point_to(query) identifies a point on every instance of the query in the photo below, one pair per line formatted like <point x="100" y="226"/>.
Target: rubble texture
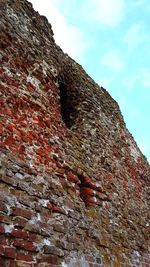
<point x="73" y="183"/>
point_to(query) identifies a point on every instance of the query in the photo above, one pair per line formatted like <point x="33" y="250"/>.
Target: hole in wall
<point x="67" y="102"/>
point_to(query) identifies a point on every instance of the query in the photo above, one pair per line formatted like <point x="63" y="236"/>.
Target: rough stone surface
<point x="73" y="183"/>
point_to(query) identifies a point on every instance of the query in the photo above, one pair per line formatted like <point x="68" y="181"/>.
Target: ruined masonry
<point x="73" y="183"/>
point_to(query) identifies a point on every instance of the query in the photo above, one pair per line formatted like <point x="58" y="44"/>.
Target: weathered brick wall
<point x="73" y="183"/>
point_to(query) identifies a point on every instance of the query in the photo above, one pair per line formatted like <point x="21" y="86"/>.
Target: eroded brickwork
<point x="73" y="183"/>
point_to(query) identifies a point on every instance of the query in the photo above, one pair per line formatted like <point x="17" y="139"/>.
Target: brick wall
<point x="73" y="183"/>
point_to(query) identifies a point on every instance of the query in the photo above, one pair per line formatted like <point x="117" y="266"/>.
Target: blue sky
<point x="111" y="40"/>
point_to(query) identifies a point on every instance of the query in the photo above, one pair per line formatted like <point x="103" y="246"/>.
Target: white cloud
<point x="135" y="35"/>
<point x="113" y="60"/>
<point x="70" y="38"/>
<point x="107" y="12"/>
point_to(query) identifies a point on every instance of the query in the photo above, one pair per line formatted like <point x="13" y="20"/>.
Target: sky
<point x="111" y="40"/>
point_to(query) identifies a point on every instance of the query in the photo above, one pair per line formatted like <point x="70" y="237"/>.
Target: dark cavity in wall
<point x="68" y="111"/>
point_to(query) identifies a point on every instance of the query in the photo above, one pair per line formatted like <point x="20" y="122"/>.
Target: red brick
<point x="73" y="178"/>
<point x="4" y="240"/>
<point x="87" y="191"/>
<point x="1" y="128"/>
<point x="10" y="252"/>
<point x="22" y="212"/>
<point x="2" y="250"/>
<point x="12" y="263"/>
<point x="50" y="259"/>
<point x="88" y="183"/>
<point x="34" y="237"/>
<point x="29" y="246"/>
<point x="91" y="201"/>
<point x="10" y="126"/>
<point x="20" y="233"/>
<point x="57" y="209"/>
<point x="24" y="257"/>
<point x="2" y="230"/>
<point x="9" y="141"/>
